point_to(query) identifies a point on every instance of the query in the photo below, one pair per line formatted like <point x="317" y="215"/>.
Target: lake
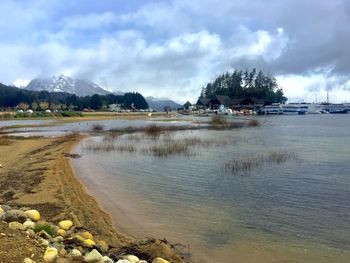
<point x="297" y="210"/>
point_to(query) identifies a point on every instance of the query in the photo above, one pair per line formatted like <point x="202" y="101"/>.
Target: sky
<point x="172" y="48"/>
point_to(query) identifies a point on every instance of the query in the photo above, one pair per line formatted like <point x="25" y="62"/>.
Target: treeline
<point x="240" y="84"/>
<point x="11" y="97"/>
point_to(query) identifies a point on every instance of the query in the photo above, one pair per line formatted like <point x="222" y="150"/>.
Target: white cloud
<point x="89" y="21"/>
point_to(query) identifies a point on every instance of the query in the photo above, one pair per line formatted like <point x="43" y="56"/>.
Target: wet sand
<point x="36" y="172"/>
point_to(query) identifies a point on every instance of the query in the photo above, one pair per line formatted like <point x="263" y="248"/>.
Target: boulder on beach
<point x="14" y="215"/>
<point x="65" y="224"/>
<point x="51" y="254"/>
<point x="33" y="214"/>
<point x="93" y="256"/>
<point x="160" y="260"/>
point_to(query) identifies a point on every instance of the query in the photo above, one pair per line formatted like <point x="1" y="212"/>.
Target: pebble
<point x="89" y="243"/>
<point x="43" y="242"/>
<point x="159" y="260"/>
<point x="61" y="232"/>
<point x="142" y="261"/>
<point x="16" y="225"/>
<point x="51" y="254"/>
<point x="93" y="256"/>
<point x="28" y="260"/>
<point x="123" y="261"/>
<point x="1" y="211"/>
<point x="28" y="225"/>
<point x="33" y="215"/>
<point x="102" y="245"/>
<point x="74" y="253"/>
<point x="132" y="258"/>
<point x="87" y="235"/>
<point x="107" y="260"/>
<point x="65" y="224"/>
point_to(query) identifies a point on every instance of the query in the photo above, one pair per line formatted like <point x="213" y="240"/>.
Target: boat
<point x="274" y="109"/>
<point x="334" y="108"/>
<point x="294" y="109"/>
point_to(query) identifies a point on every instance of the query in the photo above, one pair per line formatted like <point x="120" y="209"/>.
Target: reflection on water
<point x="192" y="199"/>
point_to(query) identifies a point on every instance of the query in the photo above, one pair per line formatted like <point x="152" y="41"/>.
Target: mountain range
<point x="66" y="84"/>
<point x="84" y="88"/>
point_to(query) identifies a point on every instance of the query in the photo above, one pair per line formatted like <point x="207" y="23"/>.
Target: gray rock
<point x="43" y="242"/>
<point x="74" y="253"/>
<point x="14" y="215"/>
<point x="5" y="207"/>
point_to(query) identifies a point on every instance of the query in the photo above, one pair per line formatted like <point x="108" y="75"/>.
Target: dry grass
<point x="169" y="148"/>
<point x="254" y="123"/>
<point x="110" y="147"/>
<point x="97" y="127"/>
<point x="218" y="120"/>
<point x="246" y="164"/>
<point x="4" y="140"/>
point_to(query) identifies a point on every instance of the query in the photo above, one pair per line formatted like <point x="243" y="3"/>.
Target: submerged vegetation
<point x="248" y="163"/>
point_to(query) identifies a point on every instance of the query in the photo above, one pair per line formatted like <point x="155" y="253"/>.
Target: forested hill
<point x="240" y="84"/>
<point x="11" y="97"/>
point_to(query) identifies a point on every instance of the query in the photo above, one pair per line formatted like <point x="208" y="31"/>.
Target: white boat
<point x="334" y="108"/>
<point x="294" y="109"/>
<point x="274" y="109"/>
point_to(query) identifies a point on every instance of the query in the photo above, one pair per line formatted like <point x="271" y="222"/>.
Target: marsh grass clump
<point x="254" y="123"/>
<point x="110" y="147"/>
<point x="5" y="140"/>
<point x="46" y="227"/>
<point x="218" y="120"/>
<point x="153" y="130"/>
<point x="169" y="148"/>
<point x="97" y="127"/>
<point x="246" y="164"/>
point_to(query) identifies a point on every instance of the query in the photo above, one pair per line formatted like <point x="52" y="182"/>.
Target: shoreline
<point x="36" y="172"/>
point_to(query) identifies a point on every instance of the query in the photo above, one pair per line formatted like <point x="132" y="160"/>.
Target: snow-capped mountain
<point x="66" y="84"/>
<point x="160" y="103"/>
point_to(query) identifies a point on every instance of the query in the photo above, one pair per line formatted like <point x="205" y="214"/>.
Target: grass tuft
<point x="46" y="227"/>
<point x="246" y="164"/>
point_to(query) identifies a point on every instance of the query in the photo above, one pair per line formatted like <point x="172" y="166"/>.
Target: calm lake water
<point x="193" y="199"/>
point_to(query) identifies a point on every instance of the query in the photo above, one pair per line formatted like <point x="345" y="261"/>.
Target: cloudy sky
<point x="171" y="48"/>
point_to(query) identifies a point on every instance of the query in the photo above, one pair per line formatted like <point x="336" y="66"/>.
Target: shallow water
<point x="192" y="199"/>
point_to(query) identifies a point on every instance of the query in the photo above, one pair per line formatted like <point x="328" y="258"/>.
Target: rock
<point x="16" y="225"/>
<point x="159" y="260"/>
<point x="33" y="215"/>
<point x="74" y="253"/>
<point x="28" y="260"/>
<point x="62" y="252"/>
<point x="142" y="261"/>
<point x="79" y="237"/>
<point x="88" y="243"/>
<point x="14" y="215"/>
<point x="102" y="245"/>
<point x="58" y="239"/>
<point x="50" y="254"/>
<point x="87" y="235"/>
<point x="62" y="260"/>
<point x="123" y="261"/>
<point x="131" y="258"/>
<point x="2" y="211"/>
<point x="93" y="256"/>
<point x="107" y="260"/>
<point x="43" y="242"/>
<point x="61" y="232"/>
<point x="28" y="225"/>
<point x="65" y="224"/>
<point x="44" y="234"/>
<point x="5" y="207"/>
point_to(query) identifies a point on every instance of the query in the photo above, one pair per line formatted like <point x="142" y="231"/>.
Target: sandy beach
<point x="36" y="172"/>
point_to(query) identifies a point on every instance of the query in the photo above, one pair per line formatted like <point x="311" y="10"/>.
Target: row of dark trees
<point x="240" y="84"/>
<point x="11" y="97"/>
